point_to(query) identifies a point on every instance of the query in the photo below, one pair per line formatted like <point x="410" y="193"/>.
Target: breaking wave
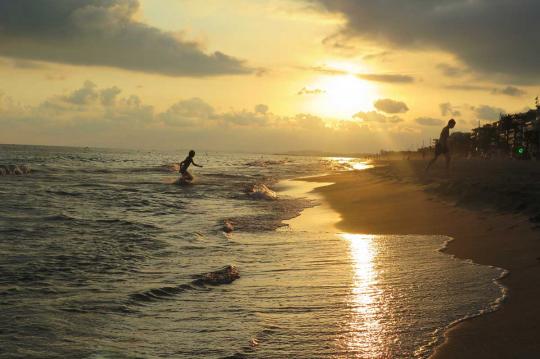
<point x="225" y="275"/>
<point x="16" y="170"/>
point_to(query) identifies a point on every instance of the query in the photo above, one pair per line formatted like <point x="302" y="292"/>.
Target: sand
<point x="489" y="211"/>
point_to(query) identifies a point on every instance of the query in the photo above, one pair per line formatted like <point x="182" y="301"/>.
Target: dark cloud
<point x="391" y="106"/>
<point x="390" y="78"/>
<point x="498" y="37"/>
<point x="428" y="121"/>
<point x="102" y="33"/>
<point x="308" y="91"/>
<point x="486" y="112"/>
<point x="509" y="91"/>
<point x="447" y="109"/>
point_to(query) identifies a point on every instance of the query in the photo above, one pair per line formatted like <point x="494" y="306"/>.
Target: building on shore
<point x="515" y="135"/>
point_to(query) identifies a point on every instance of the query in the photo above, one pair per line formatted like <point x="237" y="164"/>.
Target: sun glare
<point x="343" y="96"/>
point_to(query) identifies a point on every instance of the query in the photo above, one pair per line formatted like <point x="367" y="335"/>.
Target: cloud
<point x="340" y="44"/>
<point x="495" y="37"/>
<point x="108" y="96"/>
<point x="190" y="112"/>
<point x="328" y="71"/>
<point x="509" y="91"/>
<point x="428" y="121"/>
<point x="243" y="119"/>
<point x="452" y="71"/>
<point x="85" y="95"/>
<point x="90" y="106"/>
<point x="376" y="117"/>
<point x="485" y="112"/>
<point x="102" y="33"/>
<point x="95" y="116"/>
<point x="27" y="65"/>
<point x="261" y="108"/>
<point x="467" y="87"/>
<point x="448" y="110"/>
<point x="380" y="56"/>
<point x="390" y="78"/>
<point x="391" y="106"/>
<point x="307" y="91"/>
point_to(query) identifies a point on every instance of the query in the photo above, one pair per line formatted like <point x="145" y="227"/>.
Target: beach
<point x="487" y="207"/>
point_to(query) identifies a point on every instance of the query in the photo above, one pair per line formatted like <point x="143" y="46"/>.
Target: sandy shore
<point x="491" y="214"/>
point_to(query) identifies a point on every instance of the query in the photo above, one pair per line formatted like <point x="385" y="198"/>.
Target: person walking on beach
<point x="184" y="165"/>
<point x="442" y="145"/>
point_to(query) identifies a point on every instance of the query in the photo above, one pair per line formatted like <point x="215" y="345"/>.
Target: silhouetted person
<point x="442" y="145"/>
<point x="184" y="165"/>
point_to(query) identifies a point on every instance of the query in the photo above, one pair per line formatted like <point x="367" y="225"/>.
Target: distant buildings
<point x="515" y="135"/>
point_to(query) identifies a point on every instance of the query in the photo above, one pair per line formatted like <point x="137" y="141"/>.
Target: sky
<point x="345" y="76"/>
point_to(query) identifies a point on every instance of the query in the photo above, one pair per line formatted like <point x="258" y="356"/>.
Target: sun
<point x="342" y="96"/>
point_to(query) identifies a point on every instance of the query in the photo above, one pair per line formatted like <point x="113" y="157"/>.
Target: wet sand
<point x="400" y="199"/>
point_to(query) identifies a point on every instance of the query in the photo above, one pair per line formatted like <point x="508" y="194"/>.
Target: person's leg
<point x="187" y="176"/>
<point x="448" y="158"/>
<point x="432" y="161"/>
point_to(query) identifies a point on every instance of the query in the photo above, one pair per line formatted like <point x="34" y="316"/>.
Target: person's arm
<point x="194" y="164"/>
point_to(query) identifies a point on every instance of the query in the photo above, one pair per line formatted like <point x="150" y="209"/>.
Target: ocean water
<point x="103" y="256"/>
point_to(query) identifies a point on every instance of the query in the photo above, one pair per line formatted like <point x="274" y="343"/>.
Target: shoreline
<point x="372" y="203"/>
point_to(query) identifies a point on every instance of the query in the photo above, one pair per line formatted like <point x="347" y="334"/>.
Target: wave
<point x="261" y="191"/>
<point x="265" y="163"/>
<point x="439" y="336"/>
<point x="16" y="170"/>
<point x="65" y="193"/>
<point x="63" y="217"/>
<point x="166" y="168"/>
<point x="225" y="275"/>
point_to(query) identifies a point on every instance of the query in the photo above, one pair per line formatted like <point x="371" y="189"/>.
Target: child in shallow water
<point x="184" y="165"/>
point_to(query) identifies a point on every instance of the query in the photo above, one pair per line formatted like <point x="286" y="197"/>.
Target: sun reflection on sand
<point x="366" y="337"/>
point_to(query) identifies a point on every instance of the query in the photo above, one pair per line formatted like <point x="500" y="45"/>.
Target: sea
<point x="104" y="254"/>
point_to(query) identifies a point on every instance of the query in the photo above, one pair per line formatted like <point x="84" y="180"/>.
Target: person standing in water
<point x="184" y="165"/>
<point x="442" y="145"/>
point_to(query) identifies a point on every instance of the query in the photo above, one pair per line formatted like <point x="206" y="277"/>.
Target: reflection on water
<point x="351" y="164"/>
<point x="365" y="327"/>
<point x="361" y="165"/>
<point x="403" y="292"/>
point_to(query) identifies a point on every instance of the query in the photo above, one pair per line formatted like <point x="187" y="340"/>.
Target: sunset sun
<point x="343" y="96"/>
<point x="342" y="92"/>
